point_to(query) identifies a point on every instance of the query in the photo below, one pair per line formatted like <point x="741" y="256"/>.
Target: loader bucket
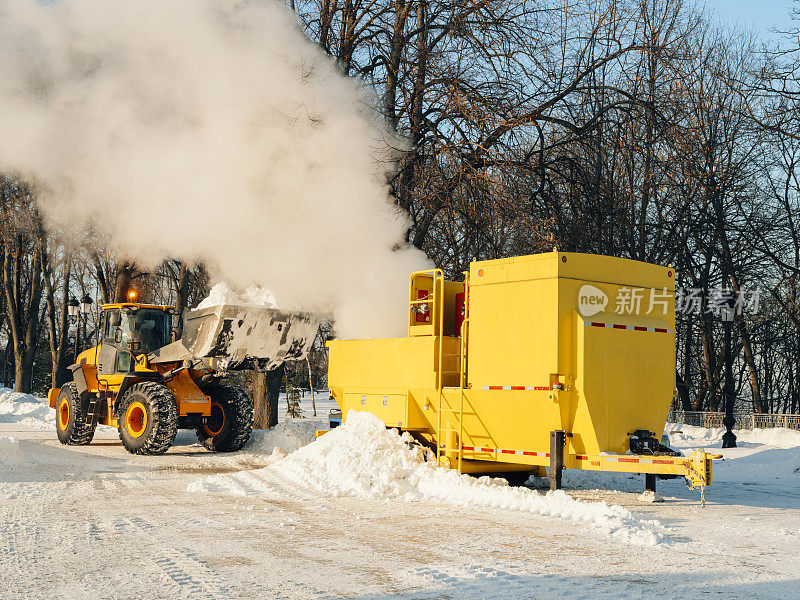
<point x="248" y="335"/>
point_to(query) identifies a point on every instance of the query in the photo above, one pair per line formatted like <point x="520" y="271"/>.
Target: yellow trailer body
<point x="559" y="356"/>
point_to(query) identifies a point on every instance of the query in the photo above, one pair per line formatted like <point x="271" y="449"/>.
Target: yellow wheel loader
<point x="148" y="386"/>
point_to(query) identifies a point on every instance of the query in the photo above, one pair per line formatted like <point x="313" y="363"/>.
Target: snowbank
<point x="26" y="410"/>
<point x="688" y="436"/>
<point x="363" y="459"/>
<point x="288" y="436"/>
<point x="221" y="293"/>
<point x="767" y="461"/>
<point x="9" y="451"/>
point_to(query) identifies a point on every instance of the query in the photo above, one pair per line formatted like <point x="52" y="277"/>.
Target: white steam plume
<point x="208" y="129"/>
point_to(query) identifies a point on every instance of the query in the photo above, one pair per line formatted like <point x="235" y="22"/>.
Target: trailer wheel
<point x="147" y="418"/>
<point x="71" y="408"/>
<point x="231" y="421"/>
<point x="516" y="478"/>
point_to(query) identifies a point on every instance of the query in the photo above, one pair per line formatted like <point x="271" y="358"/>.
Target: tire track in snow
<point x="254" y="483"/>
<point x="25" y="541"/>
<point x="190" y="573"/>
<point x="11" y="573"/>
<point x="264" y="482"/>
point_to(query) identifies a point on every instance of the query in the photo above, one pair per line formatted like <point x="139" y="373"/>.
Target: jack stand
<point x="650" y="494"/>
<point x="558" y="438"/>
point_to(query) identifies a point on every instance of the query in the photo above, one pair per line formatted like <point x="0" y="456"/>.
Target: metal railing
<point x="742" y="420"/>
<point x="765" y="421"/>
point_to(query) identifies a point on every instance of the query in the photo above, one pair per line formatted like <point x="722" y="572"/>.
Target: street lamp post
<point x="86" y="310"/>
<point x="727" y="313"/>
<point x="76" y="310"/>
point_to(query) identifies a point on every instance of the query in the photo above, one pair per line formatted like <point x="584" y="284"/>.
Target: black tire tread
<point x="238" y="407"/>
<point x="165" y="417"/>
<point x="82" y="431"/>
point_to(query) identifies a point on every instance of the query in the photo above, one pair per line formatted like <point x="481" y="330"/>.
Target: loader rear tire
<point x="71" y="408"/>
<point x="147" y="418"/>
<point x="231" y="421"/>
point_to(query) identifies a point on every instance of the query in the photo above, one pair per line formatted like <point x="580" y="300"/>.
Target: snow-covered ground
<point x="360" y="514"/>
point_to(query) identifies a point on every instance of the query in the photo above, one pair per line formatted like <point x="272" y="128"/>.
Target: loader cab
<point x="128" y="330"/>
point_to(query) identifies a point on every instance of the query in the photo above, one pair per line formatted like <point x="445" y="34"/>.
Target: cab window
<point x="146" y="329"/>
<point x="111" y="322"/>
<point x="124" y="362"/>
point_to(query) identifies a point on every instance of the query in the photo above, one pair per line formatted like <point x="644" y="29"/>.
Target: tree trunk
<point x="744" y="336"/>
<point x="125" y="272"/>
<point x="393" y="66"/>
<point x="266" y="387"/>
<point x="684" y="384"/>
<point x="325" y="19"/>
<point x="102" y="280"/>
<point x="7" y="357"/>
<point x="182" y="298"/>
<point x="57" y="324"/>
<point x="22" y="313"/>
<point x="709" y="364"/>
<point x="311" y="387"/>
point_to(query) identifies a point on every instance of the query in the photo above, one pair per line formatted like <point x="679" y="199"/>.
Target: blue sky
<point x="759" y="15"/>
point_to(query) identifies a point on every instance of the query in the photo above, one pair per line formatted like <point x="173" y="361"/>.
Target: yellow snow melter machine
<point x="557" y="360"/>
<point x="148" y="385"/>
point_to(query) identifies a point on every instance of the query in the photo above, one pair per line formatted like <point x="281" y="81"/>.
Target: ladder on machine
<point x="443" y="405"/>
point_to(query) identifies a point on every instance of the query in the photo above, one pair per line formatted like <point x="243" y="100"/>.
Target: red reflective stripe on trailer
<point x="516" y="388"/>
<point x="626" y="327"/>
<point x="622" y="459"/>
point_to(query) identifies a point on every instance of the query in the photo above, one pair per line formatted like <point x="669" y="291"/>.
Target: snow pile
<point x="26" y="410"/>
<point x="363" y="459"/>
<point x="682" y="436"/>
<point x="221" y="293"/>
<point x="287" y="436"/>
<point x="259" y="296"/>
<point x="9" y="451"/>
<point x="768" y="458"/>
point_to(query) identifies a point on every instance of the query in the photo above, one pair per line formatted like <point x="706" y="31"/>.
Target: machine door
<point x="107" y="354"/>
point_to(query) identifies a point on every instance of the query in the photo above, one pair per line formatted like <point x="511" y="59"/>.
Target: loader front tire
<point x="147" y="418"/>
<point x="71" y="425"/>
<point x="231" y="421"/>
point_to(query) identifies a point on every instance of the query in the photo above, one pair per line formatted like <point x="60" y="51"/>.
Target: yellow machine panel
<point x="575" y="348"/>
